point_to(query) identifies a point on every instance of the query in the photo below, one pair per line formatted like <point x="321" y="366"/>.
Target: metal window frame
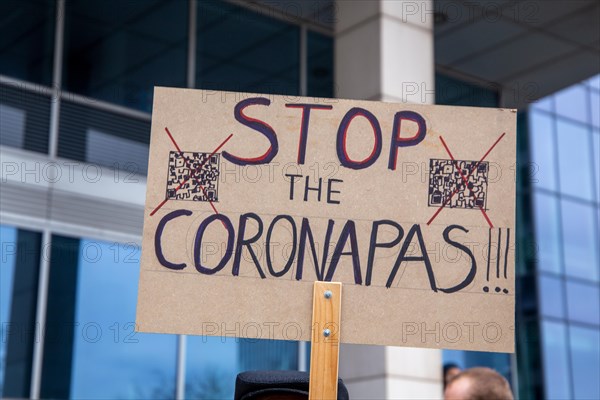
<point x="42" y="294"/>
<point x="274" y="13"/>
<point x="303" y="346"/>
<point x="190" y="83"/>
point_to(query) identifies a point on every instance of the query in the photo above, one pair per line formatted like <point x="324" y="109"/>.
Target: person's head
<point x="450" y="371"/>
<point x="478" y="384"/>
<point x="278" y="385"/>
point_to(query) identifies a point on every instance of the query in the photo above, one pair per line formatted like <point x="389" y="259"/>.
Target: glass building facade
<point x="76" y="85"/>
<point x="564" y="134"/>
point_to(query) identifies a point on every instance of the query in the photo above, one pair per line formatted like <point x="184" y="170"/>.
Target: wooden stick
<point x="324" y="354"/>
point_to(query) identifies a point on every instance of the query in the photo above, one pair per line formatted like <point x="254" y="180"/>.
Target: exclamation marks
<point x="501" y="262"/>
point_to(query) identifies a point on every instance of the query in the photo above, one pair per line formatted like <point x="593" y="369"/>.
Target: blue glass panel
<point x="320" y="65"/>
<point x="117" y="51"/>
<point x="595" y="107"/>
<point x="454" y="357"/>
<point x="596" y="151"/>
<point x="19" y="266"/>
<point x="585" y="358"/>
<point x="240" y="50"/>
<point x="543" y="149"/>
<point x="583" y="301"/>
<point x="547" y="232"/>
<point x="214" y="362"/>
<point x="211" y="367"/>
<point x="8" y="257"/>
<point x="556" y="361"/>
<point x="572" y="103"/>
<point x="551" y="296"/>
<point x="450" y="91"/>
<point x="594" y="82"/>
<point x="579" y="240"/>
<point x="574" y="159"/>
<point x="110" y="360"/>
<point x="546" y="104"/>
<point x="27" y="39"/>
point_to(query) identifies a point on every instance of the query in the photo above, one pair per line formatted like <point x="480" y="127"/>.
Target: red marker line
<point x="162" y="203"/>
<point x="491" y="148"/>
<point x="193" y="174"/>
<point x="486" y="217"/>
<point x="447" y="149"/>
<point x="199" y="184"/>
<point x="465" y="179"/>
<point x="173" y="140"/>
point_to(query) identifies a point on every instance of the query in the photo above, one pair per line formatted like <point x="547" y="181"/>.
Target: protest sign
<point x="251" y="198"/>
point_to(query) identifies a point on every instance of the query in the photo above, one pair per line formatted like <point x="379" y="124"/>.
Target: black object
<point x="251" y="385"/>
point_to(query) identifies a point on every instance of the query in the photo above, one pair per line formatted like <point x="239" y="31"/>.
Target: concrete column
<point x="384" y="51"/>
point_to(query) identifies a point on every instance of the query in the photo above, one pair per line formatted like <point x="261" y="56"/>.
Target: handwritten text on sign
<point x="251" y="198"/>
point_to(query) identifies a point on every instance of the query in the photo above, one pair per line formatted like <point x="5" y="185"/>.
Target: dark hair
<point x="486" y="384"/>
<point x="449" y="366"/>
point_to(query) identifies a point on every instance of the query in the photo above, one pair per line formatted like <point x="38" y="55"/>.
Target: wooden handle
<point x="325" y="350"/>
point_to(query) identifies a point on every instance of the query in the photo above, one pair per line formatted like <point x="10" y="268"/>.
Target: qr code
<point x="447" y="187"/>
<point x="193" y="176"/>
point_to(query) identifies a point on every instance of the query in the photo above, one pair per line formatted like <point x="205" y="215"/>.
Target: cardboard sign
<point x="251" y="198"/>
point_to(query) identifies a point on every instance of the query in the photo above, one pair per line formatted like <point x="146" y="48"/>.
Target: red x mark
<point x="193" y="174"/>
<point x="465" y="180"/>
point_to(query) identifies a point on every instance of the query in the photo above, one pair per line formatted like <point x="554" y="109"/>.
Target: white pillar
<point x="384" y="51"/>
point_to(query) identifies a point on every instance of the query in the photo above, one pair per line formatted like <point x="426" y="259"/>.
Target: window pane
<point x="117" y="51"/>
<point x="585" y="357"/>
<point x="555" y="355"/>
<point x="27" y="39"/>
<point x="214" y="362"/>
<point x="454" y="357"/>
<point x="572" y="103"/>
<point x="211" y="367"/>
<point x="596" y="150"/>
<point x="103" y="138"/>
<point x="239" y="50"/>
<point x="583" y="301"/>
<point x="594" y="82"/>
<point x="546" y="104"/>
<point x="450" y="91"/>
<point x="551" y="296"/>
<point x="106" y="348"/>
<point x="574" y="160"/>
<point x="24" y="119"/>
<point x="579" y="239"/>
<point x="8" y="241"/>
<point x="543" y="149"/>
<point x="595" y="107"/>
<point x="19" y="266"/>
<point x="320" y="65"/>
<point x="547" y="232"/>
<point x="91" y="350"/>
